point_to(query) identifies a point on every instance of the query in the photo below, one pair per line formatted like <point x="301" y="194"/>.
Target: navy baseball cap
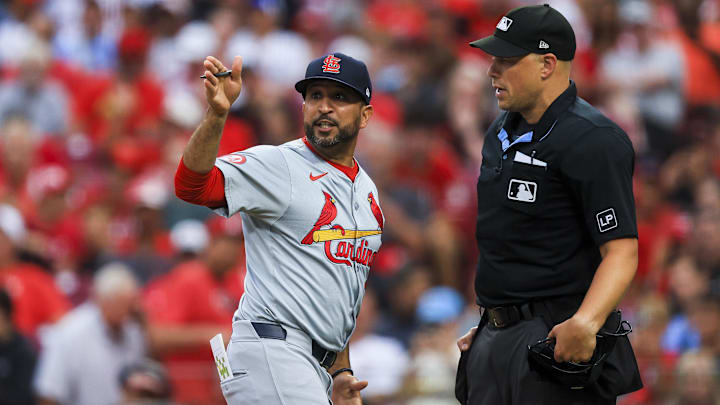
<point x="532" y="29"/>
<point x="340" y="68"/>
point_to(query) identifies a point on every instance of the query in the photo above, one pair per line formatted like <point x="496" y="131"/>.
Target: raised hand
<point x="221" y="92"/>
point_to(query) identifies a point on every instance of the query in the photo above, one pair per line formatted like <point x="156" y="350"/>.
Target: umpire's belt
<point x="552" y="309"/>
<point x="509" y="315"/>
<point x="326" y="358"/>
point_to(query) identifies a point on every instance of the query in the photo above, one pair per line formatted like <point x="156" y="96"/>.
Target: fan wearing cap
<point x="556" y="227"/>
<point x="312" y="224"/>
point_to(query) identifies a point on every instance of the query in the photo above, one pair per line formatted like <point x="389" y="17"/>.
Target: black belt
<point x="509" y="315"/>
<point x="326" y="358"/>
<point x="553" y="310"/>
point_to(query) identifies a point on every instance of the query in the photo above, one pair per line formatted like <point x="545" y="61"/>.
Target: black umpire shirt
<point x="548" y="198"/>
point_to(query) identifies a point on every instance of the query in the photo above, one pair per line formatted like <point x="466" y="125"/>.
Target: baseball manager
<point x="312" y="224"/>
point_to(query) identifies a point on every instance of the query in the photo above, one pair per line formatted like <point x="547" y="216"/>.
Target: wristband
<point x="342" y="370"/>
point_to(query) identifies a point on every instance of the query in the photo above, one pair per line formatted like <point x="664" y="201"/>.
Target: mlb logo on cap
<point x="536" y="29"/>
<point x="504" y="24"/>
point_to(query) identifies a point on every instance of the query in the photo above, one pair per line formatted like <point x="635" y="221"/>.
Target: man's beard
<point x="345" y="134"/>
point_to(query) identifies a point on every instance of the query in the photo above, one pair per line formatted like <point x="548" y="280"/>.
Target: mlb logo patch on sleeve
<point x="606" y="220"/>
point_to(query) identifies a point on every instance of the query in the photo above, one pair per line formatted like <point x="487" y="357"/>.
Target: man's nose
<point x="493" y="70"/>
<point x="324" y="105"/>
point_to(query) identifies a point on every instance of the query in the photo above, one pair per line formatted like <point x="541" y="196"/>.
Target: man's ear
<point x="365" y="114"/>
<point x="549" y="65"/>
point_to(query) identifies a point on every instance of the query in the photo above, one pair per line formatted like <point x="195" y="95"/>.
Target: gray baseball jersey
<point x="311" y="235"/>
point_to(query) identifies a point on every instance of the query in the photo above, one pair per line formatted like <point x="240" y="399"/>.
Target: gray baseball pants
<point x="273" y="371"/>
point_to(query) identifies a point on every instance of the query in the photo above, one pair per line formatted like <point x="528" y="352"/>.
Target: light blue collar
<point x="505" y="139"/>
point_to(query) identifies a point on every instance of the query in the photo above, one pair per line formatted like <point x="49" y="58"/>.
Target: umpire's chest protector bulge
<point x="548" y="199"/>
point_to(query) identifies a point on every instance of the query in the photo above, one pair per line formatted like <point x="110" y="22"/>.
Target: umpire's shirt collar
<point x="548" y="119"/>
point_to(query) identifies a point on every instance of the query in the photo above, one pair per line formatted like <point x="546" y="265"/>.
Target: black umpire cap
<point x="531" y="29"/>
<point x="340" y="68"/>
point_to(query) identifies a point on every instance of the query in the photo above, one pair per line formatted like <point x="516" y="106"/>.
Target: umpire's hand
<point x="221" y="92"/>
<point x="574" y="340"/>
<point x="346" y="390"/>
<point x="466" y="340"/>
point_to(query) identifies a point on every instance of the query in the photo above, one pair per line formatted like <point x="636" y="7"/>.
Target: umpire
<point x="556" y="231"/>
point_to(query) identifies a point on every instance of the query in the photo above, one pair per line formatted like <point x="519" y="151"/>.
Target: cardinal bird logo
<point x="376" y="210"/>
<point x="344" y="246"/>
<point x="327" y="215"/>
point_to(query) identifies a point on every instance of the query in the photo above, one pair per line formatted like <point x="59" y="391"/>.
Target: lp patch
<point x="522" y="190"/>
<point x="606" y="220"/>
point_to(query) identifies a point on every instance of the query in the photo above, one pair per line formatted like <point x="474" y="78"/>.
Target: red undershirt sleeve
<point x="206" y="189"/>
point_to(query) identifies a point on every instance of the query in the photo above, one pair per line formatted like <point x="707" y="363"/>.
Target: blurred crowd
<point x="110" y="286"/>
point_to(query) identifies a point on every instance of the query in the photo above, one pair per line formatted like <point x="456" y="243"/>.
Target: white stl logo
<point x="521" y="190"/>
<point x="504" y="24"/>
<point x="606" y="220"/>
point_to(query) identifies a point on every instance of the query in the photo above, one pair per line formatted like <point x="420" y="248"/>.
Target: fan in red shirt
<point x="129" y="105"/>
<point x="186" y="307"/>
<point x="36" y="299"/>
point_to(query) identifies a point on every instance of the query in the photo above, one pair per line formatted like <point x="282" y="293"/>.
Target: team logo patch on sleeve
<point x="234" y="158"/>
<point x="522" y="190"/>
<point x="606" y="220"/>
